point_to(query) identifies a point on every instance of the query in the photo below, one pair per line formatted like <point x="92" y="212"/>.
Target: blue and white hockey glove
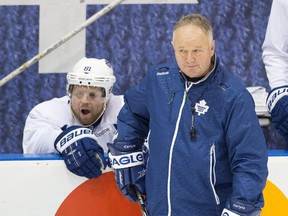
<point x="277" y="105"/>
<point x="127" y="160"/>
<point x="82" y="154"/>
<point x="237" y="208"/>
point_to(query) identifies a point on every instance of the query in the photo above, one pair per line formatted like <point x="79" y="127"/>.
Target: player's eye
<point x="93" y="96"/>
<point x="79" y="95"/>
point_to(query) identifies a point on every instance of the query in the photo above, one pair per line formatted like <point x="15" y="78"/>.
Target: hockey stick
<point x="39" y="56"/>
<point x="141" y="201"/>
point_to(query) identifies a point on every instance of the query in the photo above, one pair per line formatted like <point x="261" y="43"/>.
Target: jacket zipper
<point x="212" y="172"/>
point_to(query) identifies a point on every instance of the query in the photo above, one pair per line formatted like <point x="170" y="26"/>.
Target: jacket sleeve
<point x="247" y="153"/>
<point x="133" y="119"/>
<point x="39" y="133"/>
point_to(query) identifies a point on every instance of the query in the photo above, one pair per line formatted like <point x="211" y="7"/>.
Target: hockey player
<point x="275" y="58"/>
<point x="207" y="152"/>
<point x="79" y="125"/>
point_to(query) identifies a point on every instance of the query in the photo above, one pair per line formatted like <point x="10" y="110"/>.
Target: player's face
<point x="193" y="50"/>
<point x="87" y="104"/>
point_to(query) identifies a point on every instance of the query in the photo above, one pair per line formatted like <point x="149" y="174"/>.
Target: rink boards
<point x="41" y="185"/>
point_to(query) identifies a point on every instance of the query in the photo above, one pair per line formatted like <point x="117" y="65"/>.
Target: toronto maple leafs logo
<point x="201" y="107"/>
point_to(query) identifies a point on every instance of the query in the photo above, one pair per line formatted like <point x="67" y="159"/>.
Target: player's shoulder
<point x="115" y="100"/>
<point x="282" y="3"/>
<point x="54" y="103"/>
<point x="114" y="104"/>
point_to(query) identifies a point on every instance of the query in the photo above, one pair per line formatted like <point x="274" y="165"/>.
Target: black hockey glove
<point x="127" y="160"/>
<point x="277" y="105"/>
<point x="82" y="154"/>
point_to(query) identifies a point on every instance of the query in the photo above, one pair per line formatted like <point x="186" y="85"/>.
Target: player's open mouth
<point x="85" y="111"/>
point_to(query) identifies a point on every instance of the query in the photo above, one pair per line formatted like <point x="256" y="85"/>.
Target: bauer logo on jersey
<point x="201" y="107"/>
<point x="127" y="160"/>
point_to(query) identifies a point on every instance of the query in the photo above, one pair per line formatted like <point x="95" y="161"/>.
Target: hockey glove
<point x="82" y="154"/>
<point x="126" y="157"/>
<point x="277" y="105"/>
<point x="236" y="208"/>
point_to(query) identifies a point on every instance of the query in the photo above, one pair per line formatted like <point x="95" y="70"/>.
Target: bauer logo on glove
<point x="277" y="105"/>
<point x="275" y="95"/>
<point x="82" y="154"/>
<point x="71" y="136"/>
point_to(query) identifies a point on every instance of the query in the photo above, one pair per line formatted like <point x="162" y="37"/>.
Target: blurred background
<point x="133" y="37"/>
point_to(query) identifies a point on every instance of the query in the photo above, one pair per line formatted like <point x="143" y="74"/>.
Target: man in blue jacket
<point x="207" y="152"/>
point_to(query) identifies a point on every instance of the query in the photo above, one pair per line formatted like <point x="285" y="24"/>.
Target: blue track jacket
<point x="226" y="161"/>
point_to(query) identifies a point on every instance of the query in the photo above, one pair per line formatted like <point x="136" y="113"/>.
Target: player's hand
<point x="277" y="105"/>
<point x="237" y="208"/>
<point x="127" y="160"/>
<point x="82" y="154"/>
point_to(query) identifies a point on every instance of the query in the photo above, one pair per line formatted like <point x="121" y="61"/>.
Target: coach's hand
<point x="82" y="154"/>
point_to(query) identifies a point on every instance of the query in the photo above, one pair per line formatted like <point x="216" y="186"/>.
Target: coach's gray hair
<point x="196" y="19"/>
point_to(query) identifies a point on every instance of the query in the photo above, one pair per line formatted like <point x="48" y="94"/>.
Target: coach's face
<point x="193" y="50"/>
<point x="87" y="104"/>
